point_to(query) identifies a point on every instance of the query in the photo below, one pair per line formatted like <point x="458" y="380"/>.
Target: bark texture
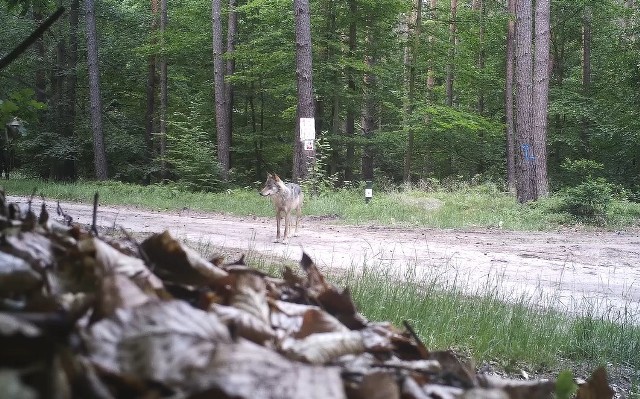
<point x="99" y="153"/>
<point x="303" y="159"/>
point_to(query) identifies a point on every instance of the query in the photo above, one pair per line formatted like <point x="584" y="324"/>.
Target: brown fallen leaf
<point x="375" y="385"/>
<point x="162" y="341"/>
<point x="301" y="321"/>
<point x="597" y="387"/>
<point x="244" y="324"/>
<point x="16" y="276"/>
<point x="519" y="389"/>
<point x="109" y="260"/>
<point x="175" y="261"/>
<point x="244" y="370"/>
<point x="250" y="295"/>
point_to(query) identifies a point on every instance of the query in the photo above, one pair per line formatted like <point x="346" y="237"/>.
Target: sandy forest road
<point x="568" y="270"/>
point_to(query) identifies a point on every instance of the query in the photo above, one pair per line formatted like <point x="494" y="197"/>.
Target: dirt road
<point x="573" y="271"/>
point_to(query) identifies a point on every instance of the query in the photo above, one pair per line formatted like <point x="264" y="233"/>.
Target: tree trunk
<point x="542" y="42"/>
<point x="152" y="81"/>
<point x="222" y="112"/>
<point x="411" y="51"/>
<point x="433" y="4"/>
<point x="350" y="130"/>
<point x="41" y="79"/>
<point x="232" y="32"/>
<point x="69" y="116"/>
<point x="479" y="7"/>
<point x="368" y="110"/>
<point x="452" y="52"/>
<point x="586" y="77"/>
<point x="303" y="159"/>
<point x="508" y="99"/>
<point x="524" y="97"/>
<point x="99" y="153"/>
<point x="164" y="95"/>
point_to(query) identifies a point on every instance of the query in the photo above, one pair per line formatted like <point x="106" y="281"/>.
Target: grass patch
<point x="482" y="206"/>
<point x="490" y="328"/>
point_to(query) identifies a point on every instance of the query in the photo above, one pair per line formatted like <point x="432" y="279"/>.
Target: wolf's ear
<point x="276" y="177"/>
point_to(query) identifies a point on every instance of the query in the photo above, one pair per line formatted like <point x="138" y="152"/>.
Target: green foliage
<point x="319" y="180"/>
<point x="191" y="153"/>
<point x="589" y="199"/>
<point x="588" y="196"/>
<point x="19" y="103"/>
<point x="565" y="387"/>
<point x="576" y="171"/>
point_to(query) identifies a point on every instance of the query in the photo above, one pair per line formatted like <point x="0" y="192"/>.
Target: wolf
<point x="286" y="197"/>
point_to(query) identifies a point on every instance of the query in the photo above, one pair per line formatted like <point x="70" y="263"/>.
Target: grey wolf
<point x="286" y="197"/>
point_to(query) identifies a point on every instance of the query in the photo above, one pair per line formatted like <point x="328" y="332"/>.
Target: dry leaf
<point x="596" y="387"/>
<point x="376" y="385"/>
<point x="118" y="291"/>
<point x="110" y="261"/>
<point x="454" y="369"/>
<point x="244" y="370"/>
<point x="324" y="347"/>
<point x="32" y="247"/>
<point x="175" y="261"/>
<point x="519" y="389"/>
<point x="163" y="341"/>
<point x="249" y="295"/>
<point x="484" y="393"/>
<point x="16" y="276"/>
<point x="244" y="324"/>
<point x="300" y="321"/>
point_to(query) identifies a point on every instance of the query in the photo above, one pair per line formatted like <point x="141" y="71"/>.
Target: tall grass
<point x="468" y="207"/>
<point x="489" y="327"/>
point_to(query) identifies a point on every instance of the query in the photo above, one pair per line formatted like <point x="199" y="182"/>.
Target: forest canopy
<point x="414" y="89"/>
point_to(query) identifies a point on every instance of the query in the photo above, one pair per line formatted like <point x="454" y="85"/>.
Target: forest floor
<point x="592" y="272"/>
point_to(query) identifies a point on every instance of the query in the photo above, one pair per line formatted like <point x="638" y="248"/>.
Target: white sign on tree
<point x="307" y="132"/>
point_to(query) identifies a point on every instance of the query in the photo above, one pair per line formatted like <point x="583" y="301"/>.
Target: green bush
<point x="576" y="171"/>
<point x="590" y="198"/>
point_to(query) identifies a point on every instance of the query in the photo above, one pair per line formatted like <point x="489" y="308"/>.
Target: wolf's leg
<point x="298" y="213"/>
<point x="278" y="216"/>
<point x="287" y="222"/>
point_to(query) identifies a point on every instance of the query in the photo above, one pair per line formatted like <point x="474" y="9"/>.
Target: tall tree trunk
<point x="586" y="77"/>
<point x="369" y="109"/>
<point x="232" y="32"/>
<point x="69" y="115"/>
<point x="542" y="41"/>
<point x="433" y="11"/>
<point x="303" y="159"/>
<point x="164" y="94"/>
<point x="452" y="52"/>
<point x="350" y="121"/>
<point x="41" y="78"/>
<point x="411" y="51"/>
<point x="99" y="153"/>
<point x="479" y="7"/>
<point x="508" y="99"/>
<point x="152" y="81"/>
<point x="524" y="97"/>
<point x="222" y="112"/>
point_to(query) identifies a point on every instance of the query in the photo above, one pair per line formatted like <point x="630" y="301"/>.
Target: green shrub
<point x="576" y="171"/>
<point x="589" y="198"/>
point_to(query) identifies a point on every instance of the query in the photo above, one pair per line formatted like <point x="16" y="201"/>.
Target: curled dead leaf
<point x="175" y="261"/>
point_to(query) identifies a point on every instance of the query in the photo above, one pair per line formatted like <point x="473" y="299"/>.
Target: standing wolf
<point x="285" y="198"/>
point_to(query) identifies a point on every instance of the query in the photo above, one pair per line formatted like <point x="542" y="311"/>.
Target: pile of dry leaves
<point x="89" y="317"/>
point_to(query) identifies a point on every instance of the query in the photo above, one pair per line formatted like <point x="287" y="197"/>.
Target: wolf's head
<point x="271" y="186"/>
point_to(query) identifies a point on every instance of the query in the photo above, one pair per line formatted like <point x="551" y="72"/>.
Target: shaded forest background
<point x="435" y="83"/>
